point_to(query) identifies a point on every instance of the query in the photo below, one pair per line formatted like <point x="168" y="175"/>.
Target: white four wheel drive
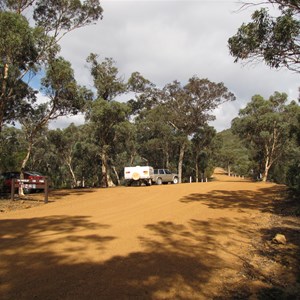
<point x="138" y="175"/>
<point x="164" y="176"/>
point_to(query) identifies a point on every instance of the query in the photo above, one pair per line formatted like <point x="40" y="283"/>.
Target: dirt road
<point x="186" y="241"/>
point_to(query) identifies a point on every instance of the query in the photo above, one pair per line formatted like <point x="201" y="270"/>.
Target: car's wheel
<point x="159" y="181"/>
<point x="175" y="180"/>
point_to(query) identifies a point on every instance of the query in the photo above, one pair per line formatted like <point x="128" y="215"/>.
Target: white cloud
<point x="168" y="40"/>
<point x="63" y="122"/>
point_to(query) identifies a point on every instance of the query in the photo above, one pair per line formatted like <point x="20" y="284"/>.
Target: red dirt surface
<point x="187" y="241"/>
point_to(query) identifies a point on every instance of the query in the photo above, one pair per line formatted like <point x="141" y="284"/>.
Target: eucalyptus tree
<point x="44" y="158"/>
<point x="108" y="117"/>
<point x="126" y="149"/>
<point x="11" y="148"/>
<point x="25" y="50"/>
<point x="63" y="96"/>
<point x="65" y="142"/>
<point x="180" y="110"/>
<point x="106" y="80"/>
<point x="105" y="117"/>
<point x="233" y="155"/>
<point x="146" y="94"/>
<point x="274" y="40"/>
<point x="265" y="125"/>
<point x="71" y="157"/>
<point x="202" y="148"/>
<point x="87" y="157"/>
<point x="189" y="107"/>
<point x="293" y="171"/>
<point x="157" y="138"/>
<point x="17" y="53"/>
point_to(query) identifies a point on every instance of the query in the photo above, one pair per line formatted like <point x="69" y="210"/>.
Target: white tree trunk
<point x="266" y="170"/>
<point x="228" y="170"/>
<point x="24" y="162"/>
<point x="197" y="169"/>
<point x="69" y="164"/>
<point x="116" y="174"/>
<point x="104" y="168"/>
<point x="180" y="161"/>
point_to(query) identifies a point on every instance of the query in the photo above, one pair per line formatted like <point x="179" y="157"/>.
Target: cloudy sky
<point x="166" y="40"/>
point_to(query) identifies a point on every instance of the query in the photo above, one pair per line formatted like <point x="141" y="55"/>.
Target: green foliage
<point x="61" y="16"/>
<point x="157" y="139"/>
<point x="138" y="84"/>
<point x="293" y="172"/>
<point x="65" y="97"/>
<point x="293" y="176"/>
<point x="105" y="117"/>
<point x="265" y="125"/>
<point x="17" y="45"/>
<point x="147" y="95"/>
<point x="273" y="40"/>
<point x="189" y="106"/>
<point x="75" y="154"/>
<point x="59" y="85"/>
<point x="11" y="149"/>
<point x="25" y="49"/>
<point x="17" y="54"/>
<point x="203" y="146"/>
<point x="233" y="156"/>
<point x="167" y="118"/>
<point x="106" y="79"/>
<point x="105" y="122"/>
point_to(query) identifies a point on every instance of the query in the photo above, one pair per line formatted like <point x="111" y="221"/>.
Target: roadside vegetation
<point x="165" y="127"/>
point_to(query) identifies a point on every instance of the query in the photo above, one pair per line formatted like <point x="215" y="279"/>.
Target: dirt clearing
<point x="187" y="241"/>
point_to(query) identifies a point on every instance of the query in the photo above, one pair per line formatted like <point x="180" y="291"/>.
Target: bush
<point x="293" y="177"/>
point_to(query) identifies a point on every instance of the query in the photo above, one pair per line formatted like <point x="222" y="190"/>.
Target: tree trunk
<point x="271" y="154"/>
<point x="266" y="171"/>
<point x="3" y="95"/>
<point x="110" y="182"/>
<point x="24" y="162"/>
<point x="228" y="170"/>
<point x="69" y="164"/>
<point x="167" y="160"/>
<point x="180" y="161"/>
<point x="197" y="169"/>
<point x="132" y="158"/>
<point x="117" y="175"/>
<point x="104" y="168"/>
<point x="21" y="183"/>
<point x="166" y="156"/>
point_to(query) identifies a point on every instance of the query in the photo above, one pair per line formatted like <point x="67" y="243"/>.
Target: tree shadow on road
<point x="261" y="199"/>
<point x="269" y="203"/>
<point x="61" y="193"/>
<point x="177" y="261"/>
